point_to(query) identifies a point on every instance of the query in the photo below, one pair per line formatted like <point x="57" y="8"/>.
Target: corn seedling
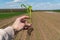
<point x="29" y="11"/>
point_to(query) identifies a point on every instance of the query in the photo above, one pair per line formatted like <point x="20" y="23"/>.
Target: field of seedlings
<point x="46" y="25"/>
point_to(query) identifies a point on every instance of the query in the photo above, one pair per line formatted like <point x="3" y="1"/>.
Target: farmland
<point x="10" y="14"/>
<point x="46" y="25"/>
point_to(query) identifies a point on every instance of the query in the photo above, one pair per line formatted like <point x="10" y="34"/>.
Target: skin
<point x="21" y="23"/>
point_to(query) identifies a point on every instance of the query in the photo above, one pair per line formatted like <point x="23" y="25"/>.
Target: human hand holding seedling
<point x="21" y="23"/>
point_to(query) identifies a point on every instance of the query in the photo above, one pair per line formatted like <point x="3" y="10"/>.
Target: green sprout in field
<point x="29" y="13"/>
<point x="29" y="10"/>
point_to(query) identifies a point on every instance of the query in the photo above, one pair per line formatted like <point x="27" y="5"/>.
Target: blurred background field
<point x="8" y="14"/>
<point x="46" y="23"/>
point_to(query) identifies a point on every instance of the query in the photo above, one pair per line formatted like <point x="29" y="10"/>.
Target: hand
<point x="21" y="23"/>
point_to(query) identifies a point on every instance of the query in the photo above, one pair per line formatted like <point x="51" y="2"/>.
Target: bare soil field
<point x="7" y="22"/>
<point x="46" y="27"/>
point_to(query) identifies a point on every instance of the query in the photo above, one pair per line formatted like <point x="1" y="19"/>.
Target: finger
<point x="27" y="26"/>
<point x="24" y="17"/>
<point x="24" y="21"/>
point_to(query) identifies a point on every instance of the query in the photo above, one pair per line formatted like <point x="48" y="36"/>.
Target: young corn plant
<point x="29" y="11"/>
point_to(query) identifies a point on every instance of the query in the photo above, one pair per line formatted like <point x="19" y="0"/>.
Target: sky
<point x="36" y="4"/>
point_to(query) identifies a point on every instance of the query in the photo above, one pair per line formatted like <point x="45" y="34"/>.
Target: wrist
<point x="16" y="28"/>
